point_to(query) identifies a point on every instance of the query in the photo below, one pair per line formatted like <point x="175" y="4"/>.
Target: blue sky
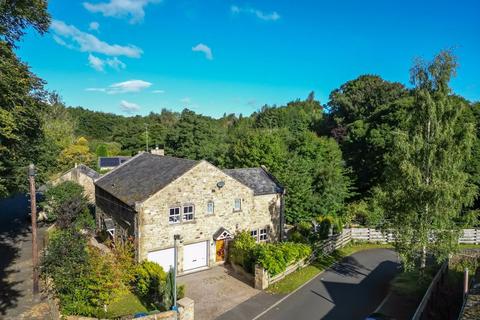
<point x="220" y="56"/>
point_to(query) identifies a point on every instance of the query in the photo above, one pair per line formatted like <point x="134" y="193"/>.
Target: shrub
<point x="149" y="282"/>
<point x="102" y="279"/>
<point x="59" y="198"/>
<point x="84" y="279"/>
<point x="84" y="221"/>
<point x="241" y="250"/>
<point x="66" y="262"/>
<point x="125" y="261"/>
<point x="271" y="258"/>
<point x="294" y="252"/>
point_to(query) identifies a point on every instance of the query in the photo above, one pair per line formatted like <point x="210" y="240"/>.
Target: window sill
<point x="237" y="210"/>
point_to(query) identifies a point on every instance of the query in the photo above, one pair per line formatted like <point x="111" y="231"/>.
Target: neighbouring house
<point x="82" y="175"/>
<point x="152" y="198"/>
<point x="109" y="163"/>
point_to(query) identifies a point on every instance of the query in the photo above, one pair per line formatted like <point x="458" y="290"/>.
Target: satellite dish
<point x="220" y="184"/>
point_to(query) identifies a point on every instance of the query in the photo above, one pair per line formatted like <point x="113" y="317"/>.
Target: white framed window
<point x="188" y="212"/>
<point x="254" y="234"/>
<point x="263" y="235"/>
<point x="237" y="206"/>
<point x="174" y="215"/>
<point x="210" y="207"/>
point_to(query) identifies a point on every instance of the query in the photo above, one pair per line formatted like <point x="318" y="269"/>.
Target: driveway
<point x="215" y="291"/>
<point x="350" y="290"/>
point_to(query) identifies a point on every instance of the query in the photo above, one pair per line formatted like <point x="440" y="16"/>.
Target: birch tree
<point x="428" y="184"/>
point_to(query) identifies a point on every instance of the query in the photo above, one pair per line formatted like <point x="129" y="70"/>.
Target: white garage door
<point x="195" y="255"/>
<point x="162" y="257"/>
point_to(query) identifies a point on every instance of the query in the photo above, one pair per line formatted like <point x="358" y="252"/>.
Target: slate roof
<point x="88" y="171"/>
<point x="257" y="179"/>
<point x="142" y="176"/>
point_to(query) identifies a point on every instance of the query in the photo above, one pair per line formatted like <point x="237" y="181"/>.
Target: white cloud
<point x="94" y="26"/>
<point x="186" y="100"/>
<point x="133" y="9"/>
<point x="99" y="64"/>
<point x="123" y="87"/>
<point x="95" y="62"/>
<point x="87" y="42"/>
<point x="205" y="49"/>
<point x="96" y="89"/>
<point x="129" y="107"/>
<point x="116" y="63"/>
<point x="158" y="91"/>
<point x="128" y="86"/>
<point x="273" y="16"/>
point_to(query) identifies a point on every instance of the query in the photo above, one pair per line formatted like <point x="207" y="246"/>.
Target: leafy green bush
<point x="84" y="279"/>
<point x="150" y="282"/>
<point x="84" y="221"/>
<point x="271" y="258"/>
<point x="241" y="250"/>
<point x="66" y="198"/>
<point x="294" y="252"/>
<point x="66" y="262"/>
<point x="275" y="257"/>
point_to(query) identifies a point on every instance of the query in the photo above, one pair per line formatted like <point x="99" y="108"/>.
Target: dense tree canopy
<point x="363" y="114"/>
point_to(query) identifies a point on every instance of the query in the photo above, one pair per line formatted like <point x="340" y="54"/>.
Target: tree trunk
<point x="423" y="262"/>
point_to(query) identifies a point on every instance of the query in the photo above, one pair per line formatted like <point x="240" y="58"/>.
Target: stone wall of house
<point x="197" y="187"/>
<point x="77" y="175"/>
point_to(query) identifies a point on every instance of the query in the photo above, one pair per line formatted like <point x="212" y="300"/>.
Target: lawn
<point x="126" y="304"/>
<point x="301" y="276"/>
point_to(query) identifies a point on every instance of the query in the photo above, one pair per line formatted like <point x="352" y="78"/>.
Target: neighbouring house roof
<point x="109" y="162"/>
<point x="87" y="171"/>
<point x="142" y="176"/>
<point x="257" y="179"/>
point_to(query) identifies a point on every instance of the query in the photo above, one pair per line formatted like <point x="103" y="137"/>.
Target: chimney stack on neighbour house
<point x="157" y="151"/>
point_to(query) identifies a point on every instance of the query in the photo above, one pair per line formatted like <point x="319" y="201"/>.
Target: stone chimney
<point x="157" y="151"/>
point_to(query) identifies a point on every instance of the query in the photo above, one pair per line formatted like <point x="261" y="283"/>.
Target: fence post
<point x="476" y="236"/>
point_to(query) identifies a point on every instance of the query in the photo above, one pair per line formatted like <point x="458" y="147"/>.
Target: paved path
<point x="15" y="260"/>
<point x="350" y="290"/>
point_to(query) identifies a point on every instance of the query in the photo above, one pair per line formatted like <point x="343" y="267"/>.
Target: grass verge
<point x="127" y="304"/>
<point x="295" y="279"/>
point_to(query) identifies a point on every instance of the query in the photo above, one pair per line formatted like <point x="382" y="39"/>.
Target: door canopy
<point x="222" y="234"/>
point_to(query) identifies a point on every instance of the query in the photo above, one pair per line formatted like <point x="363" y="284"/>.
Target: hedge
<point x="273" y="257"/>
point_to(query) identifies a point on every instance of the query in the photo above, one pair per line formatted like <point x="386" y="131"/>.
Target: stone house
<point x="152" y="198"/>
<point x="84" y="176"/>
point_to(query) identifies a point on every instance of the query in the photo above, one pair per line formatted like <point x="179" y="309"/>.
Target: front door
<point x="220" y="245"/>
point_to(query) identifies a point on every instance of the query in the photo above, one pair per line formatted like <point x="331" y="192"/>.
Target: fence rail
<point x="423" y="307"/>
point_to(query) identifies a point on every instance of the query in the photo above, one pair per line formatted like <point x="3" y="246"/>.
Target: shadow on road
<point x="349" y="266"/>
<point x="13" y="230"/>
<point x="354" y="300"/>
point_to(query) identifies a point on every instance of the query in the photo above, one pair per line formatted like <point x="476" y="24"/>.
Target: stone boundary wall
<point x="186" y="308"/>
